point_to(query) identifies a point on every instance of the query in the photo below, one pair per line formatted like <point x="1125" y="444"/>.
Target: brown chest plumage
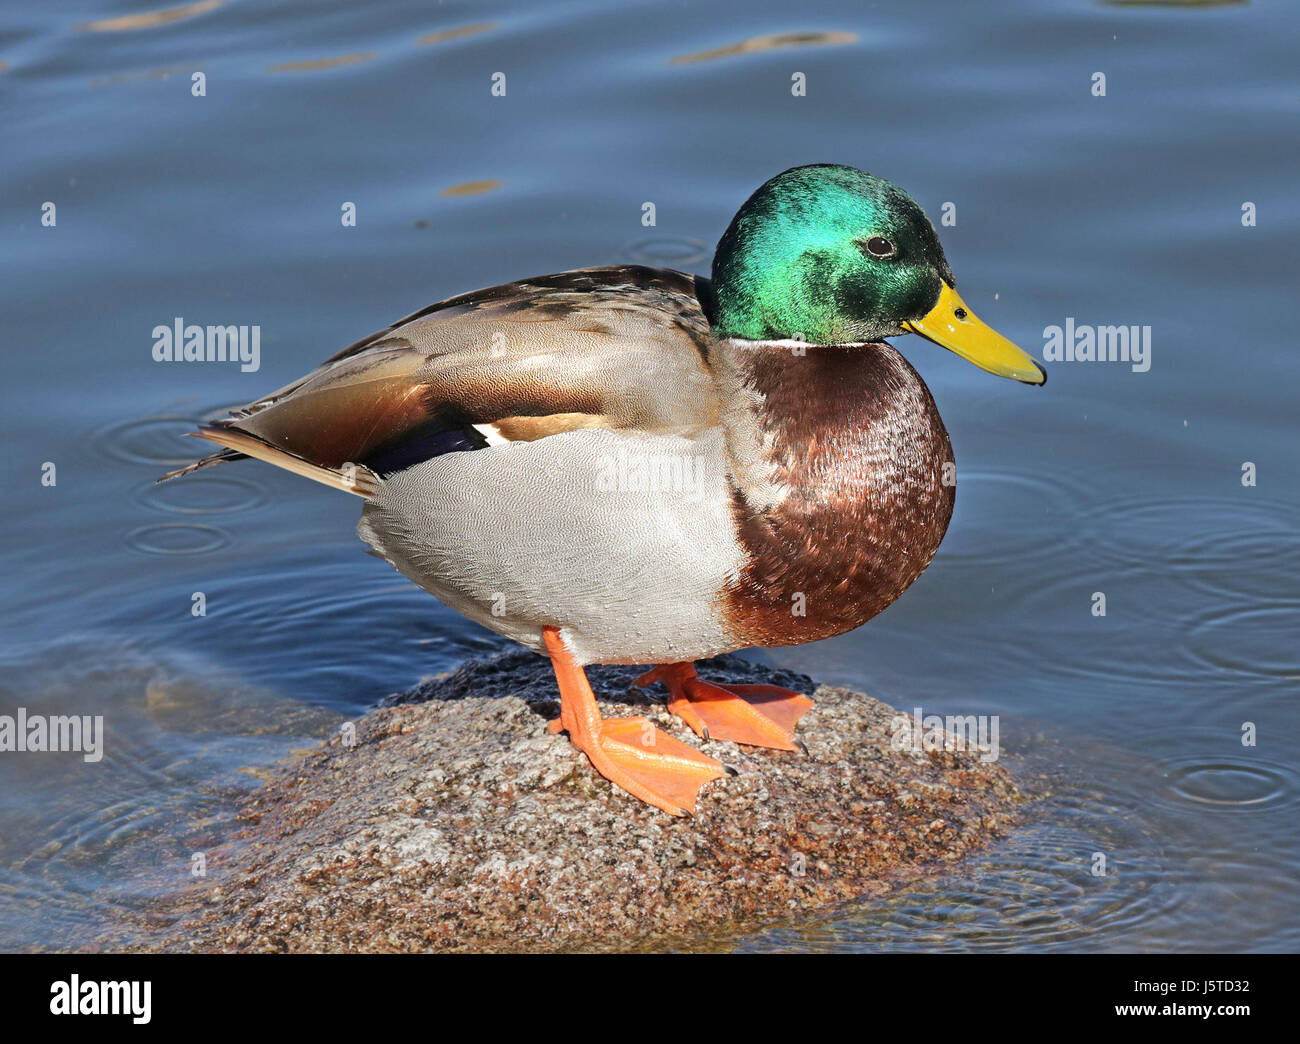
<point x="862" y="469"/>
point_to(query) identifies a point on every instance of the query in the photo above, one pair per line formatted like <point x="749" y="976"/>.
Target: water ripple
<point x="668" y="251"/>
<point x="1228" y="784"/>
<point x="1227" y="545"/>
<point x="202" y="494"/>
<point x="149" y="440"/>
<point x="158" y="440"/>
<point x="1047" y="505"/>
<point x="1255" y="639"/>
<point x="176" y="538"/>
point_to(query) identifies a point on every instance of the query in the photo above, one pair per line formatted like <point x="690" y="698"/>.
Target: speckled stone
<point x="455" y="822"/>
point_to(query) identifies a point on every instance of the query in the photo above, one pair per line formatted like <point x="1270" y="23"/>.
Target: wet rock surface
<point x="453" y="821"/>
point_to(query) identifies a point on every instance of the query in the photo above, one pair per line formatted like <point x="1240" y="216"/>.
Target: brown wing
<point x="621" y="347"/>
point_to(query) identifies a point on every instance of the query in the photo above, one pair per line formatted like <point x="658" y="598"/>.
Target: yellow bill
<point x="951" y="324"/>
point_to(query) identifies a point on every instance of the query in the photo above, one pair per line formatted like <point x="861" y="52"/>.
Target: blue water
<point x="225" y="208"/>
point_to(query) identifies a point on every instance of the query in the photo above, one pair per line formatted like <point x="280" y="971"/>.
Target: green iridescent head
<point x="833" y="255"/>
<point x="829" y="254"/>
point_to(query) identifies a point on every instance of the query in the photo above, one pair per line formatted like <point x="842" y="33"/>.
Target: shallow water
<point x="1123" y="209"/>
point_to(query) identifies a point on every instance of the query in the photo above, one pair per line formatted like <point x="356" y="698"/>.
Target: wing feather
<point x="621" y="347"/>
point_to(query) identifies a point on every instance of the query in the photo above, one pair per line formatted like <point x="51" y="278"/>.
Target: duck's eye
<point x="879" y="246"/>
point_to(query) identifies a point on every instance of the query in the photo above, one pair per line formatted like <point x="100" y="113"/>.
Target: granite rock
<point x="449" y="819"/>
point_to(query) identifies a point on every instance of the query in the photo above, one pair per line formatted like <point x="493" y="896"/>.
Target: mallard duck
<point x="640" y="466"/>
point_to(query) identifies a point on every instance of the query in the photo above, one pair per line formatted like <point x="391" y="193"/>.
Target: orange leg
<point x="759" y="715"/>
<point x="629" y="752"/>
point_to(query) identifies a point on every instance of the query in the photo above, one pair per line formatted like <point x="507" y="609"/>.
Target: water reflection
<point x="316" y="64"/>
<point x="444" y="35"/>
<point x="769" y="42"/>
<point x="472" y="188"/>
<point x="151" y="19"/>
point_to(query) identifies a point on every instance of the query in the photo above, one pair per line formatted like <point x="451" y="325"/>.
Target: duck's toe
<point x="757" y="715"/>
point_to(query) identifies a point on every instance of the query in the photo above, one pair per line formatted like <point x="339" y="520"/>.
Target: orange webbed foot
<point x="629" y="752"/>
<point x="757" y="715"/>
<point x="649" y="764"/>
